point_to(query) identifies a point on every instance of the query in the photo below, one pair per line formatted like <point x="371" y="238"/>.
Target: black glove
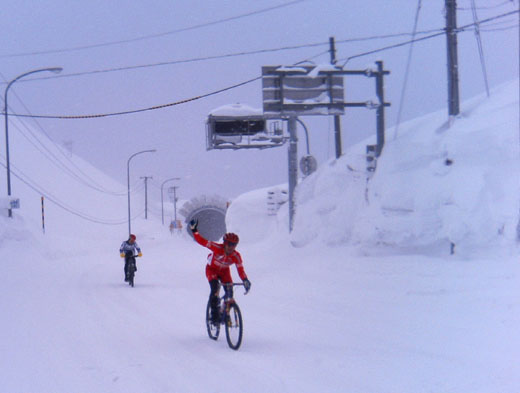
<point x="193" y="225"/>
<point x="247" y="285"/>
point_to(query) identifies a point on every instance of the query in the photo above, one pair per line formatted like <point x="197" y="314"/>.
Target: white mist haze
<point x="363" y="295"/>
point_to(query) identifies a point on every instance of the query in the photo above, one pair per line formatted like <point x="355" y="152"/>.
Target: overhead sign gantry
<point x="289" y="92"/>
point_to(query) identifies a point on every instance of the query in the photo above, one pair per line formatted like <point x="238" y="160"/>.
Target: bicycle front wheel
<point x="213" y="329"/>
<point x="131" y="273"/>
<point x="234" y="327"/>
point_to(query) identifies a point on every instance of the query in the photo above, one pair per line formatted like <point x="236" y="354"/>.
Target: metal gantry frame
<point x="302" y="96"/>
<point x="332" y="106"/>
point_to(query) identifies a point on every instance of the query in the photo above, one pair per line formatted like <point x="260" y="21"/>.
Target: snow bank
<point x="436" y="188"/>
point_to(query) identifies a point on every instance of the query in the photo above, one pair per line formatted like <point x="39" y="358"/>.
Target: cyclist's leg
<point x="126" y="268"/>
<point x="214" y="286"/>
<point x="225" y="278"/>
<point x="213" y="299"/>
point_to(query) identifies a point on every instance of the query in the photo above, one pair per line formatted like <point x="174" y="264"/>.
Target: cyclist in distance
<point x="129" y="248"/>
<point x="222" y="256"/>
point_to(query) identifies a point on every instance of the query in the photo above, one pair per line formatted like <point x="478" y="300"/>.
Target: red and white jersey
<point x="218" y="260"/>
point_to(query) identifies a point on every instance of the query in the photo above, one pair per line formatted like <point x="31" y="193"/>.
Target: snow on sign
<point x="302" y="90"/>
<point x="239" y="126"/>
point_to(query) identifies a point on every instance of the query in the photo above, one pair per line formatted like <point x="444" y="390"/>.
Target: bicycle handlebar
<point x="236" y="284"/>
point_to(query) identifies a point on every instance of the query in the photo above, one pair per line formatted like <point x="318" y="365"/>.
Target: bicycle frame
<point x="130" y="260"/>
<point x="230" y="317"/>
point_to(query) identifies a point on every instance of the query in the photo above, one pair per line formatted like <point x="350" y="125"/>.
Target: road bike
<point x="229" y="316"/>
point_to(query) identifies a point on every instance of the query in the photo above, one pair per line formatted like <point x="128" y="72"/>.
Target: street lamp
<point x="53" y="69"/>
<point x="306" y="135"/>
<point x="162" y="203"/>
<point x="128" y="179"/>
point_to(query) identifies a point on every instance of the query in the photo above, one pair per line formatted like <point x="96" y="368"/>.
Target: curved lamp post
<point x="162" y="203"/>
<point x="306" y="134"/>
<point x="128" y="180"/>
<point x="52" y="69"/>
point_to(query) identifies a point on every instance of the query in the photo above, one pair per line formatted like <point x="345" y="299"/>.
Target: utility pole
<point x="337" y="120"/>
<point x="175" y="203"/>
<point x="293" y="168"/>
<point x="380" y="111"/>
<point x="453" y="67"/>
<point x="146" y="195"/>
<point x="518" y="224"/>
<point x="162" y="198"/>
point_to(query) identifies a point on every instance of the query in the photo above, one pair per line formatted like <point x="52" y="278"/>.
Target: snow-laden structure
<point x="210" y="211"/>
<point x="436" y="188"/>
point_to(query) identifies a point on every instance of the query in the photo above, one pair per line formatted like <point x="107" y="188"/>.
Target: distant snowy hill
<point x="78" y="199"/>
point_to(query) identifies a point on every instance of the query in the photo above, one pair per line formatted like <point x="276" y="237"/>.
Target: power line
<point x="479" y="44"/>
<point x="194" y="27"/>
<point x="247" y="53"/>
<point x="143" y="109"/>
<point x="54" y="159"/>
<point x="439" y="33"/>
<point x="182" y="61"/>
<point x="407" y="71"/>
<point x="502" y="22"/>
<point x="50" y="156"/>
<point x="228" y="55"/>
<point x="486" y="7"/>
<point x="459" y="30"/>
<point x="511" y="27"/>
<point x="40" y="191"/>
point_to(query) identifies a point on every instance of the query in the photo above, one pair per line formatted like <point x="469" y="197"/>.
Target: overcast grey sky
<point x="127" y="55"/>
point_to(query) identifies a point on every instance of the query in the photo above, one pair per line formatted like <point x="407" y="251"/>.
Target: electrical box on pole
<point x="239" y="126"/>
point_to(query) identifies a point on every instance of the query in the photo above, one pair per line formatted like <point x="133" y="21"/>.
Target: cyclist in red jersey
<point x="223" y="255"/>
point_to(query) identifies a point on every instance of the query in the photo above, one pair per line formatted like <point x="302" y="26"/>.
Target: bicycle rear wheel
<point x="234" y="327"/>
<point x="213" y="329"/>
